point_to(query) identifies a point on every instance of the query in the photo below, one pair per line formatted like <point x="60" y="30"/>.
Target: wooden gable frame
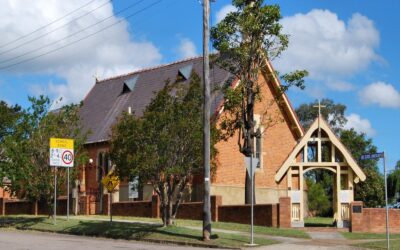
<point x="322" y="124"/>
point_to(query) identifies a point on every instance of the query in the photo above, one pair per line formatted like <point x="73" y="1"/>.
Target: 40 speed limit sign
<point x="61" y="152"/>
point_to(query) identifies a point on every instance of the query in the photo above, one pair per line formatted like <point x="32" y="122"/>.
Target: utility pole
<point x="206" y="122"/>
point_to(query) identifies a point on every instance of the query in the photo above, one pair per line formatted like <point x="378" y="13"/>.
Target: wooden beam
<point x="301" y="177"/>
<point x="319" y="164"/>
<point x="338" y="188"/>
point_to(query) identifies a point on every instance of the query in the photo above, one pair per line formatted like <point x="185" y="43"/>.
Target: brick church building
<point x="282" y="149"/>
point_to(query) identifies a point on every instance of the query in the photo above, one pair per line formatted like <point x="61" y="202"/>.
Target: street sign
<point x="61" y="152"/>
<point x="251" y="164"/>
<point x="133" y="188"/>
<point x="372" y="156"/>
<point x="110" y="181"/>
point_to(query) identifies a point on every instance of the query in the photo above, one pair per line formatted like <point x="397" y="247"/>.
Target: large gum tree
<point x="246" y="40"/>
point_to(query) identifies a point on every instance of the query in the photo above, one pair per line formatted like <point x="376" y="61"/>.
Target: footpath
<point x="320" y="238"/>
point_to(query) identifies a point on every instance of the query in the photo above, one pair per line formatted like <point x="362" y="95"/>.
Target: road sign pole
<point x="386" y="201"/>
<point x="110" y="207"/>
<point x="252" y="201"/>
<point x="55" y="195"/>
<point x="67" y="193"/>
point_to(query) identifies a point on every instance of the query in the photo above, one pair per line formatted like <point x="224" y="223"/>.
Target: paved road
<point x="22" y="240"/>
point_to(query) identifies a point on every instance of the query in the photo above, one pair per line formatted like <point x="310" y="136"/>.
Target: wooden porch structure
<point x="321" y="149"/>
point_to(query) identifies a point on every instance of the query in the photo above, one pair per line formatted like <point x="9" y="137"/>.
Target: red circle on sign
<point x="67" y="161"/>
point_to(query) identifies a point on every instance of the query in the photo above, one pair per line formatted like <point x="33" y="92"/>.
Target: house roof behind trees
<point x="110" y="97"/>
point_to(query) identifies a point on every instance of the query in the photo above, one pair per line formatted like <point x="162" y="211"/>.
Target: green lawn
<point x="283" y="232"/>
<point x="381" y="244"/>
<point x="128" y="231"/>
<point x="365" y="236"/>
<point x="318" y="222"/>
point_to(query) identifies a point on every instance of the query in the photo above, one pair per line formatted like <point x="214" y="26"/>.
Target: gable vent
<point x="186" y="71"/>
<point x="129" y="85"/>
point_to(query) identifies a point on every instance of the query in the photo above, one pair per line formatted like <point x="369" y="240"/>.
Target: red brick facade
<point x="278" y="141"/>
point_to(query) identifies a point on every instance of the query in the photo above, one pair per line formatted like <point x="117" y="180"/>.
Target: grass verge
<point x="283" y="232"/>
<point x="127" y="231"/>
<point x="318" y="222"/>
<point x="381" y="244"/>
<point x="367" y="236"/>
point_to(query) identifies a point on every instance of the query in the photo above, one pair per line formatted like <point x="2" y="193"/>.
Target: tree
<point x="164" y="146"/>
<point x="371" y="191"/>
<point x="8" y="117"/>
<point x="27" y="148"/>
<point x="246" y="39"/>
<point x="393" y="183"/>
<point x="318" y="201"/>
<point x="333" y="113"/>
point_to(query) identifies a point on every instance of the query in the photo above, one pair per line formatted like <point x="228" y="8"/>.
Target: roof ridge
<point x="149" y="69"/>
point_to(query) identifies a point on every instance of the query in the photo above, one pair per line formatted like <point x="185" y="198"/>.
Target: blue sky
<point x="350" y="48"/>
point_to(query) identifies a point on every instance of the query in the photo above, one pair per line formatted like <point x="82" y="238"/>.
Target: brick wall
<point x="271" y="215"/>
<point x="373" y="220"/>
<point x="132" y="208"/>
<point x="264" y="214"/>
<point x="190" y="210"/>
<point x="15" y="207"/>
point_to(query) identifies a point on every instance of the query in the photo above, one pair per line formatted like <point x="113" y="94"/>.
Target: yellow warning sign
<point x="61" y="143"/>
<point x="110" y="181"/>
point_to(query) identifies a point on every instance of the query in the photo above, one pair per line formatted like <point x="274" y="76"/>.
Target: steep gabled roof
<point x="110" y="97"/>
<point x="320" y="122"/>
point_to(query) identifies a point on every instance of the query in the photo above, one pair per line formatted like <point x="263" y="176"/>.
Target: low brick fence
<point x="373" y="220"/>
<point x="15" y="207"/>
<point x="271" y="215"/>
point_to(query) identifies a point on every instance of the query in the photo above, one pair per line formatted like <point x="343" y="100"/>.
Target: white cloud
<point x="339" y="85"/>
<point x="107" y="53"/>
<point x="359" y="124"/>
<point x="186" y="48"/>
<point x="328" y="47"/>
<point x="382" y="94"/>
<point x="221" y="14"/>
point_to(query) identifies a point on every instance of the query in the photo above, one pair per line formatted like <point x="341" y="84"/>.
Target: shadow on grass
<point x="21" y="222"/>
<point x="115" y="230"/>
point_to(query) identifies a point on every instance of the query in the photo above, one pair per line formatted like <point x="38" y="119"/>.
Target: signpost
<point x="61" y="155"/>
<point x="110" y="181"/>
<point x="250" y="161"/>
<point x="378" y="156"/>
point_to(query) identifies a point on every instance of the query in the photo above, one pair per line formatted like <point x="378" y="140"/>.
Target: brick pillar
<point x="274" y="215"/>
<point x="34" y="208"/>
<point x="356" y="217"/>
<point x="106" y="204"/>
<point x="216" y="201"/>
<point x="86" y="202"/>
<point x="155" y="206"/>
<point x="3" y="206"/>
<point x="285" y="213"/>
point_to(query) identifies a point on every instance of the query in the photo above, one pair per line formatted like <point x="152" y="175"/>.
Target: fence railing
<point x="295" y="211"/>
<point x="345" y="211"/>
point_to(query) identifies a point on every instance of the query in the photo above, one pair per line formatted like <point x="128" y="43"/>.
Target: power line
<point x="70" y="35"/>
<point x="53" y="30"/>
<point x="83" y="38"/>
<point x="42" y="27"/>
